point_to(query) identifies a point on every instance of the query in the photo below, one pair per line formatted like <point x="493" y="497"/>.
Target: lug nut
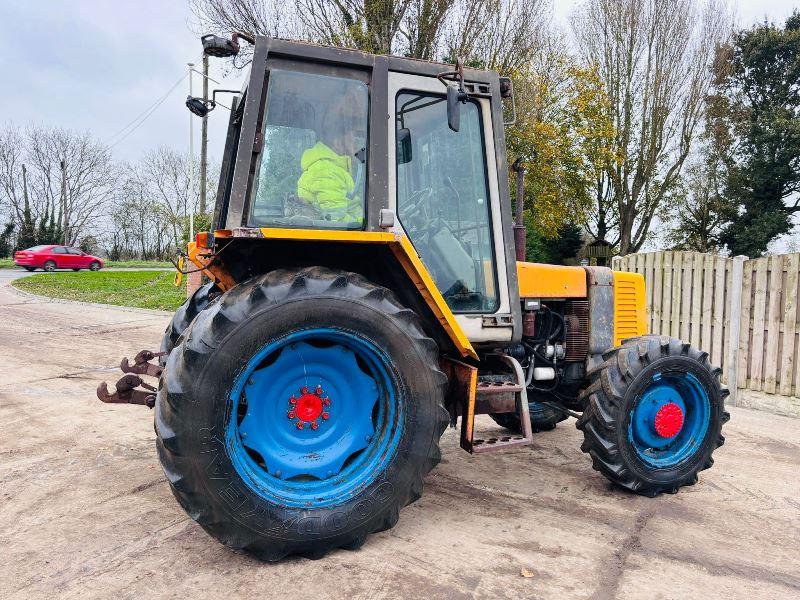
<point x="304" y="389"/>
<point x="292" y="400"/>
<point x="318" y="391"/>
<point x="299" y="424"/>
<point x="326" y="401"/>
<point x="290" y="414"/>
<point x="326" y="416"/>
<point x="314" y="425"/>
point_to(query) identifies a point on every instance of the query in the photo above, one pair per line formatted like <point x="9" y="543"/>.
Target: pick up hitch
<point x="141" y="366"/>
<point x="127" y="391"/>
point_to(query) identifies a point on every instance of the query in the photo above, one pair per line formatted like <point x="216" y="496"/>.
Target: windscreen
<point x="442" y="198"/>
<point x="314" y="158"/>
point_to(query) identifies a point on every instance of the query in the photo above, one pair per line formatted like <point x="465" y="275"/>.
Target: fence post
<point x="734" y="327"/>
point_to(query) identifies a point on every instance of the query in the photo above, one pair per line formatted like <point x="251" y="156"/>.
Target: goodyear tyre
<point x="654" y="414"/>
<point x="300" y="412"/>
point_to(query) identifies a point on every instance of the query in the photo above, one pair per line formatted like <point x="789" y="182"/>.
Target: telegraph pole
<point x="189" y="207"/>
<point x="204" y="140"/>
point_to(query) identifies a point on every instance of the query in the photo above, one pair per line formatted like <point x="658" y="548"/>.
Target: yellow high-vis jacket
<point x="326" y="182"/>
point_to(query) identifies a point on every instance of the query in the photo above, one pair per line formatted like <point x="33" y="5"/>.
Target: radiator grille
<point x="576" y="321"/>
<point x="630" y="319"/>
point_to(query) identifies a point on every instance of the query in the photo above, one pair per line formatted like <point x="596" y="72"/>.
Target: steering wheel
<point x="415" y="215"/>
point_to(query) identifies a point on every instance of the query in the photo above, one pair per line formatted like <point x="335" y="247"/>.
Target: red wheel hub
<point x="308" y="407"/>
<point x="669" y="420"/>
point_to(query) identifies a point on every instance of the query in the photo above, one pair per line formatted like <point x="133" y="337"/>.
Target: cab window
<point x="59" y="250"/>
<point x="314" y="158"/>
<point x="443" y="199"/>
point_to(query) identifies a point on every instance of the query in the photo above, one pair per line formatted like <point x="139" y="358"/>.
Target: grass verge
<point x="139" y="289"/>
<point x="8" y="263"/>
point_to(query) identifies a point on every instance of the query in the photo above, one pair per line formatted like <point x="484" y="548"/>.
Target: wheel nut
<point x="299" y="424"/>
<point x="290" y="414"/>
<point x="304" y="389"/>
<point x="326" y="416"/>
<point x="318" y="391"/>
<point x="292" y="400"/>
<point x="326" y="401"/>
<point x="314" y="425"/>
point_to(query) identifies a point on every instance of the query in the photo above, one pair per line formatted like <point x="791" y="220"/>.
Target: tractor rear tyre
<point x="184" y="316"/>
<point x="300" y="412"/>
<point x="543" y="417"/>
<point x="654" y="415"/>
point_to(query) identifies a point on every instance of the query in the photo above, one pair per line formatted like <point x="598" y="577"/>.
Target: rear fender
<point x="386" y="259"/>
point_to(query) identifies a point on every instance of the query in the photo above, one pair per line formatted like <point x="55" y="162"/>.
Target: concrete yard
<point x="85" y="510"/>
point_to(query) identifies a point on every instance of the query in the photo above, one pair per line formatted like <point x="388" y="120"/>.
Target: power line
<point x="143" y="116"/>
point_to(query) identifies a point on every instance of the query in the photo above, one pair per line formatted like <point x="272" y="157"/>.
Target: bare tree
<point x="89" y="180"/>
<point x="505" y="35"/>
<point x="497" y="33"/>
<point x="90" y="176"/>
<point x="12" y="158"/>
<point x="654" y="57"/>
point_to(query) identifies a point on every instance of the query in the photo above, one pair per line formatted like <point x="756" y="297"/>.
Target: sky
<point x="97" y="65"/>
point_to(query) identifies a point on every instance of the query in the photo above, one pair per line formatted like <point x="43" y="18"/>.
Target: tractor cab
<point x="326" y="140"/>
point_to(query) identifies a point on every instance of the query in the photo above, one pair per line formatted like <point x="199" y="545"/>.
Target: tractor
<point x="366" y="287"/>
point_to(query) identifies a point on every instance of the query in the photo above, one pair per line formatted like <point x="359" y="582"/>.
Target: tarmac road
<point x="85" y="510"/>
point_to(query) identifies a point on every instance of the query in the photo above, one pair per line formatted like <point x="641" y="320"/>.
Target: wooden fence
<point x="744" y="313"/>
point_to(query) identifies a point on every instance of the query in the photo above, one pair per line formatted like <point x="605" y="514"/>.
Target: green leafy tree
<point x="556" y="250"/>
<point x="563" y="134"/>
<point x="755" y="115"/>
<point x="42" y="233"/>
<point x="5" y="239"/>
<point x="26" y="238"/>
<point x="698" y="208"/>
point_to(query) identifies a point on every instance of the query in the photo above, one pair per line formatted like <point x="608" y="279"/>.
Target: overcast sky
<point x="98" y="64"/>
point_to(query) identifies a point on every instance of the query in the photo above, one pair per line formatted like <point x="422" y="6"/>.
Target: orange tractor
<point x="366" y="288"/>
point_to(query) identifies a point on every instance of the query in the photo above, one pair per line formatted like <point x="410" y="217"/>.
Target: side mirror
<point x="404" y="152"/>
<point x="455" y="98"/>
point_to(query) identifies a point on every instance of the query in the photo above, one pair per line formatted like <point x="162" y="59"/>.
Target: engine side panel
<point x="550" y="281"/>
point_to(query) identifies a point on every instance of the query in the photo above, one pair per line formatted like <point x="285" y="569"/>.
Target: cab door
<point x="443" y="188"/>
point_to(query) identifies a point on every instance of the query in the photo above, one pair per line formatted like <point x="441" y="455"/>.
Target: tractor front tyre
<point x="654" y="415"/>
<point x="300" y="412"/>
<point x="184" y="316"/>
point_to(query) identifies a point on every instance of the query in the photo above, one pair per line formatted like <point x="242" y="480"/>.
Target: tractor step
<point x="498" y="444"/>
<point x="488" y="396"/>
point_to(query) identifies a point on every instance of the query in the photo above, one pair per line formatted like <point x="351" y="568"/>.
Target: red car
<point x="51" y="258"/>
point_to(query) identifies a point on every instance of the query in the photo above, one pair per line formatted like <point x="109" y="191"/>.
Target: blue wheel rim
<point x="664" y="392"/>
<point x="313" y="418"/>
